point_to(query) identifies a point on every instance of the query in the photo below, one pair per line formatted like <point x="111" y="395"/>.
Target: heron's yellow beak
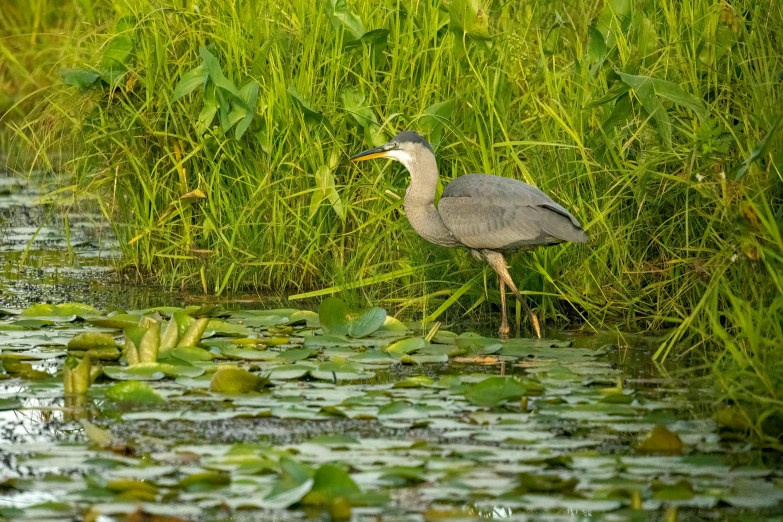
<point x="377" y="152"/>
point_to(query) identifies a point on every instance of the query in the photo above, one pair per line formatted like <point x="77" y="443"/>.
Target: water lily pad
<point x="406" y="346"/>
<point x="661" y="440"/>
<point x="60" y="310"/>
<point x="330" y="483"/>
<point x="336" y="320"/>
<point x="297" y="354"/>
<point x="495" y="390"/>
<point x="341" y="370"/>
<point x="311" y="319"/>
<point x="392" y="324"/>
<point x="190" y="354"/>
<point x="88" y="340"/>
<point x="418" y="381"/>
<point x="226" y="328"/>
<point x="229" y="379"/>
<point x="286" y="372"/>
<point x="134" y="373"/>
<point x="116" y="321"/>
<point x="133" y="392"/>
<point x="249" y="354"/>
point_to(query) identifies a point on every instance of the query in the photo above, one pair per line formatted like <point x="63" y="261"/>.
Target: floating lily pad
<point x="116" y="321"/>
<point x="88" y="340"/>
<point x="133" y="392"/>
<point x="341" y="370"/>
<point x="229" y="379"/>
<point x="495" y="390"/>
<point x="286" y="372"/>
<point x="336" y="320"/>
<point x="406" y="346"/>
<point x="65" y="310"/>
<point x="249" y="354"/>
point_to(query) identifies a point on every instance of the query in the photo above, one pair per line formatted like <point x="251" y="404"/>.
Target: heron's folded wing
<point x="498" y="213"/>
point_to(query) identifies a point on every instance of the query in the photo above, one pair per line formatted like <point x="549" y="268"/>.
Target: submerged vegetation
<point x="215" y="137"/>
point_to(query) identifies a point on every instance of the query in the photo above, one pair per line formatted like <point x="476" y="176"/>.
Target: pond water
<point x="259" y="411"/>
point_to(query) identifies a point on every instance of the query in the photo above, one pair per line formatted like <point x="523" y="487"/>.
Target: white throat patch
<point x="401" y="156"/>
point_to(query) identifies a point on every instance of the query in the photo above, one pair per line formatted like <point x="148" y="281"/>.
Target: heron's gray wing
<point x="496" y="213"/>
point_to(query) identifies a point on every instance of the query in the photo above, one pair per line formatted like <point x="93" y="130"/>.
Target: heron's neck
<point x="420" y="201"/>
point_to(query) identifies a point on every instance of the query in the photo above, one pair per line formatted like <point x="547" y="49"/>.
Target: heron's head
<point x="407" y="147"/>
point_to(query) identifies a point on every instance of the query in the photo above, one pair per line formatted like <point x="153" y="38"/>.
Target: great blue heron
<point x="489" y="215"/>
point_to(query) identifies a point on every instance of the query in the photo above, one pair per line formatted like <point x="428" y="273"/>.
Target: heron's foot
<point x="534" y="324"/>
<point x="503" y="331"/>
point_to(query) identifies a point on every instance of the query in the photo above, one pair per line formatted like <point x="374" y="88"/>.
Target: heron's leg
<point x="504" y="329"/>
<point x="498" y="263"/>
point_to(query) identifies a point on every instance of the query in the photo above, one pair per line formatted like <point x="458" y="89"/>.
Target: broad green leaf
<point x="307" y="110"/>
<point x="183" y="320"/>
<point x="295" y="482"/>
<point x="150" y="341"/>
<point x="170" y="336"/>
<point x="330" y="483"/>
<point x="60" y="310"/>
<point x="133" y="392"/>
<point x="662" y="441"/>
<point x="325" y="189"/>
<point x="354" y="104"/>
<point x="495" y="390"/>
<point x="341" y="370"/>
<point x="311" y="319"/>
<point x="333" y="315"/>
<point x="77" y="378"/>
<point x="96" y="435"/>
<point x="133" y="337"/>
<point x="98" y="354"/>
<point x="762" y="149"/>
<point x="296" y="354"/>
<point x="117" y="55"/>
<point x="675" y="93"/>
<point x="367" y="322"/>
<point x="406" y="346"/>
<point x="681" y="490"/>
<point x="249" y="354"/>
<point x="227" y="329"/>
<point x="190" y="354"/>
<point x="644" y="89"/>
<point x="80" y="78"/>
<point x="287" y="372"/>
<point x="118" y="321"/>
<point x="134" y="373"/>
<point x="417" y="381"/>
<point x="621" y="113"/>
<point x="435" y="118"/>
<point x="469" y="18"/>
<point x="89" y="340"/>
<point x="215" y="72"/>
<point x="205" y="481"/>
<point x="377" y="40"/>
<point x="341" y="16"/>
<point x="392" y="324"/>
<point x="229" y="379"/>
<point x="249" y="95"/>
<point x="195" y="331"/>
<point x="596" y="45"/>
<point x="191" y="80"/>
<point x="208" y="110"/>
<point x="615" y="16"/>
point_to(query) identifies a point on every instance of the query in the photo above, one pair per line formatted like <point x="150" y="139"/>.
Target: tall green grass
<point x="654" y="122"/>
